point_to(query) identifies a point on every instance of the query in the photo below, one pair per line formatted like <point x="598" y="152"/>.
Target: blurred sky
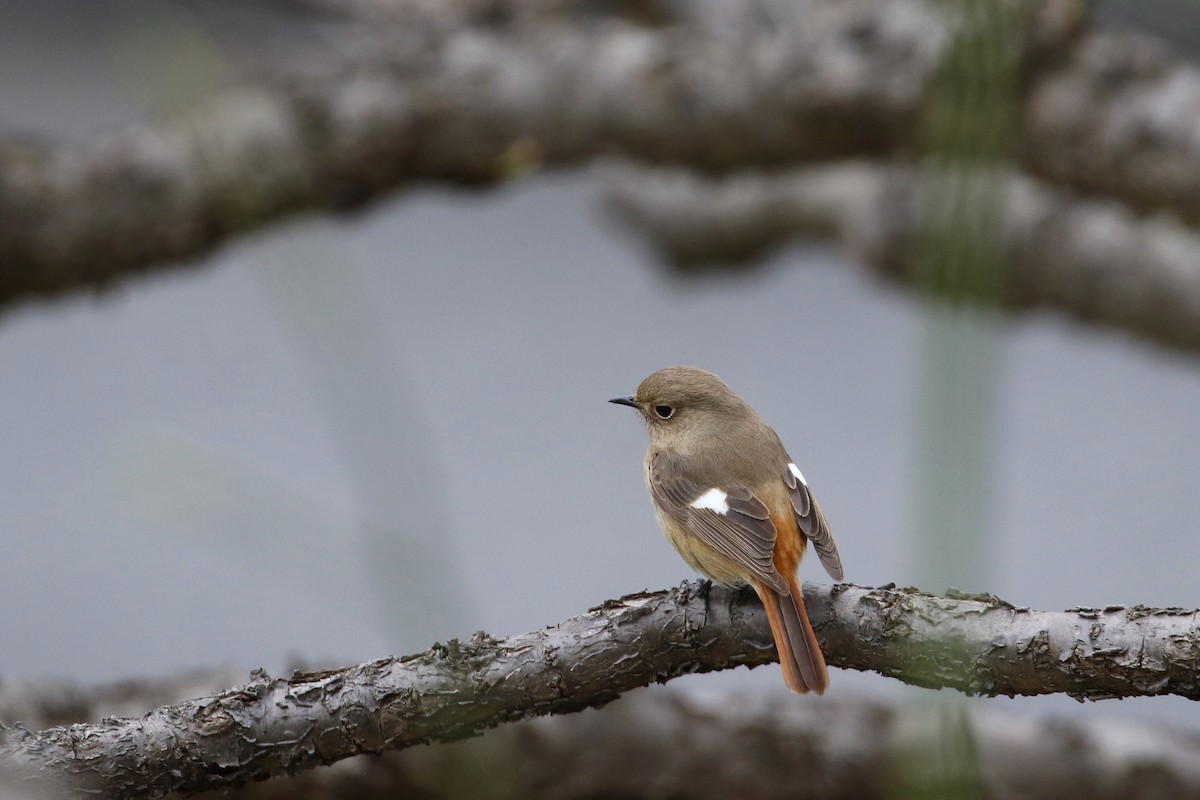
<point x="338" y="439"/>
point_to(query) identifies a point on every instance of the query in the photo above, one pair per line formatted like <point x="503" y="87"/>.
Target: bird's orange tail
<point x="799" y="654"/>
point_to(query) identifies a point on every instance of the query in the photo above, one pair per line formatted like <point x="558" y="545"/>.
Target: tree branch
<point x="473" y="106"/>
<point x="1119" y="118"/>
<point x="1102" y="112"/>
<point x="975" y="644"/>
<point x="490" y="13"/>
<point x="1092" y="258"/>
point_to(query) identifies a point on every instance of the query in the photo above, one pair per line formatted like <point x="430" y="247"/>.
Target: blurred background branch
<point x="1090" y="257"/>
<point x="471" y="101"/>
<point x="491" y="13"/>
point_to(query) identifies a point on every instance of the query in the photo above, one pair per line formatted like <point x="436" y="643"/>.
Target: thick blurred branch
<point x="649" y="744"/>
<point x="661" y="744"/>
<point x="494" y="13"/>
<point x="473" y="105"/>
<point x="978" y="645"/>
<point x="454" y="95"/>
<point x="1120" y="118"/>
<point x="1091" y="257"/>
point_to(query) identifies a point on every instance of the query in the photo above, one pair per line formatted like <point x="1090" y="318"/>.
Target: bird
<point x="734" y="504"/>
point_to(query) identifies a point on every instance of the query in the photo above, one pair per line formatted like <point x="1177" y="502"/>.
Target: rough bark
<point x="270" y="727"/>
<point x="1092" y="258"/>
<point x="46" y="703"/>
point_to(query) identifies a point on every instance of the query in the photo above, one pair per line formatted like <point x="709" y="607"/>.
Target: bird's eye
<point x="664" y="412"/>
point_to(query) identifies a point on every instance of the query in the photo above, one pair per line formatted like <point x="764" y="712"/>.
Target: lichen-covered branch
<point x="275" y="726"/>
<point x="1092" y="258"/>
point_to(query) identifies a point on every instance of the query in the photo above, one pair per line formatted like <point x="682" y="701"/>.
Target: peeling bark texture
<point x="477" y="105"/>
<point x="43" y="704"/>
<point x="1092" y="258"/>
<point x="982" y="645"/>
<point x="271" y="727"/>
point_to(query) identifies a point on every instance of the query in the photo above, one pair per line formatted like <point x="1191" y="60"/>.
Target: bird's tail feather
<point x="799" y="653"/>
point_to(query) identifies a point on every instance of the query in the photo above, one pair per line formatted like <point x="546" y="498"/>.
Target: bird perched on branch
<point x="735" y="505"/>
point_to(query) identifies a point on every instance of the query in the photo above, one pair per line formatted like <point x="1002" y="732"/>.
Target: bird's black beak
<point x="624" y="401"/>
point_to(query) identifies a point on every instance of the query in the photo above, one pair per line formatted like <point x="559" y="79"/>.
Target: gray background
<point x="339" y="439"/>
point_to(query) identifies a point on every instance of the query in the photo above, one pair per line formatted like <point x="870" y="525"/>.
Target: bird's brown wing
<point x="812" y="522"/>
<point x="742" y="531"/>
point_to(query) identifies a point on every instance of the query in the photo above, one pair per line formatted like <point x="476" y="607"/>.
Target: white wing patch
<point x="714" y="500"/>
<point x="799" y="475"/>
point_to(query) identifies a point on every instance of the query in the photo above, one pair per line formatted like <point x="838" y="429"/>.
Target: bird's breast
<point x="698" y="555"/>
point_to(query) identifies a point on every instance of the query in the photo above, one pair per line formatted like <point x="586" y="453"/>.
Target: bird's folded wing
<point x="812" y="522"/>
<point x="729" y="519"/>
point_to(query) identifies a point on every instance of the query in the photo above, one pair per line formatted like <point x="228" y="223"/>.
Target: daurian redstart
<point x="735" y="506"/>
